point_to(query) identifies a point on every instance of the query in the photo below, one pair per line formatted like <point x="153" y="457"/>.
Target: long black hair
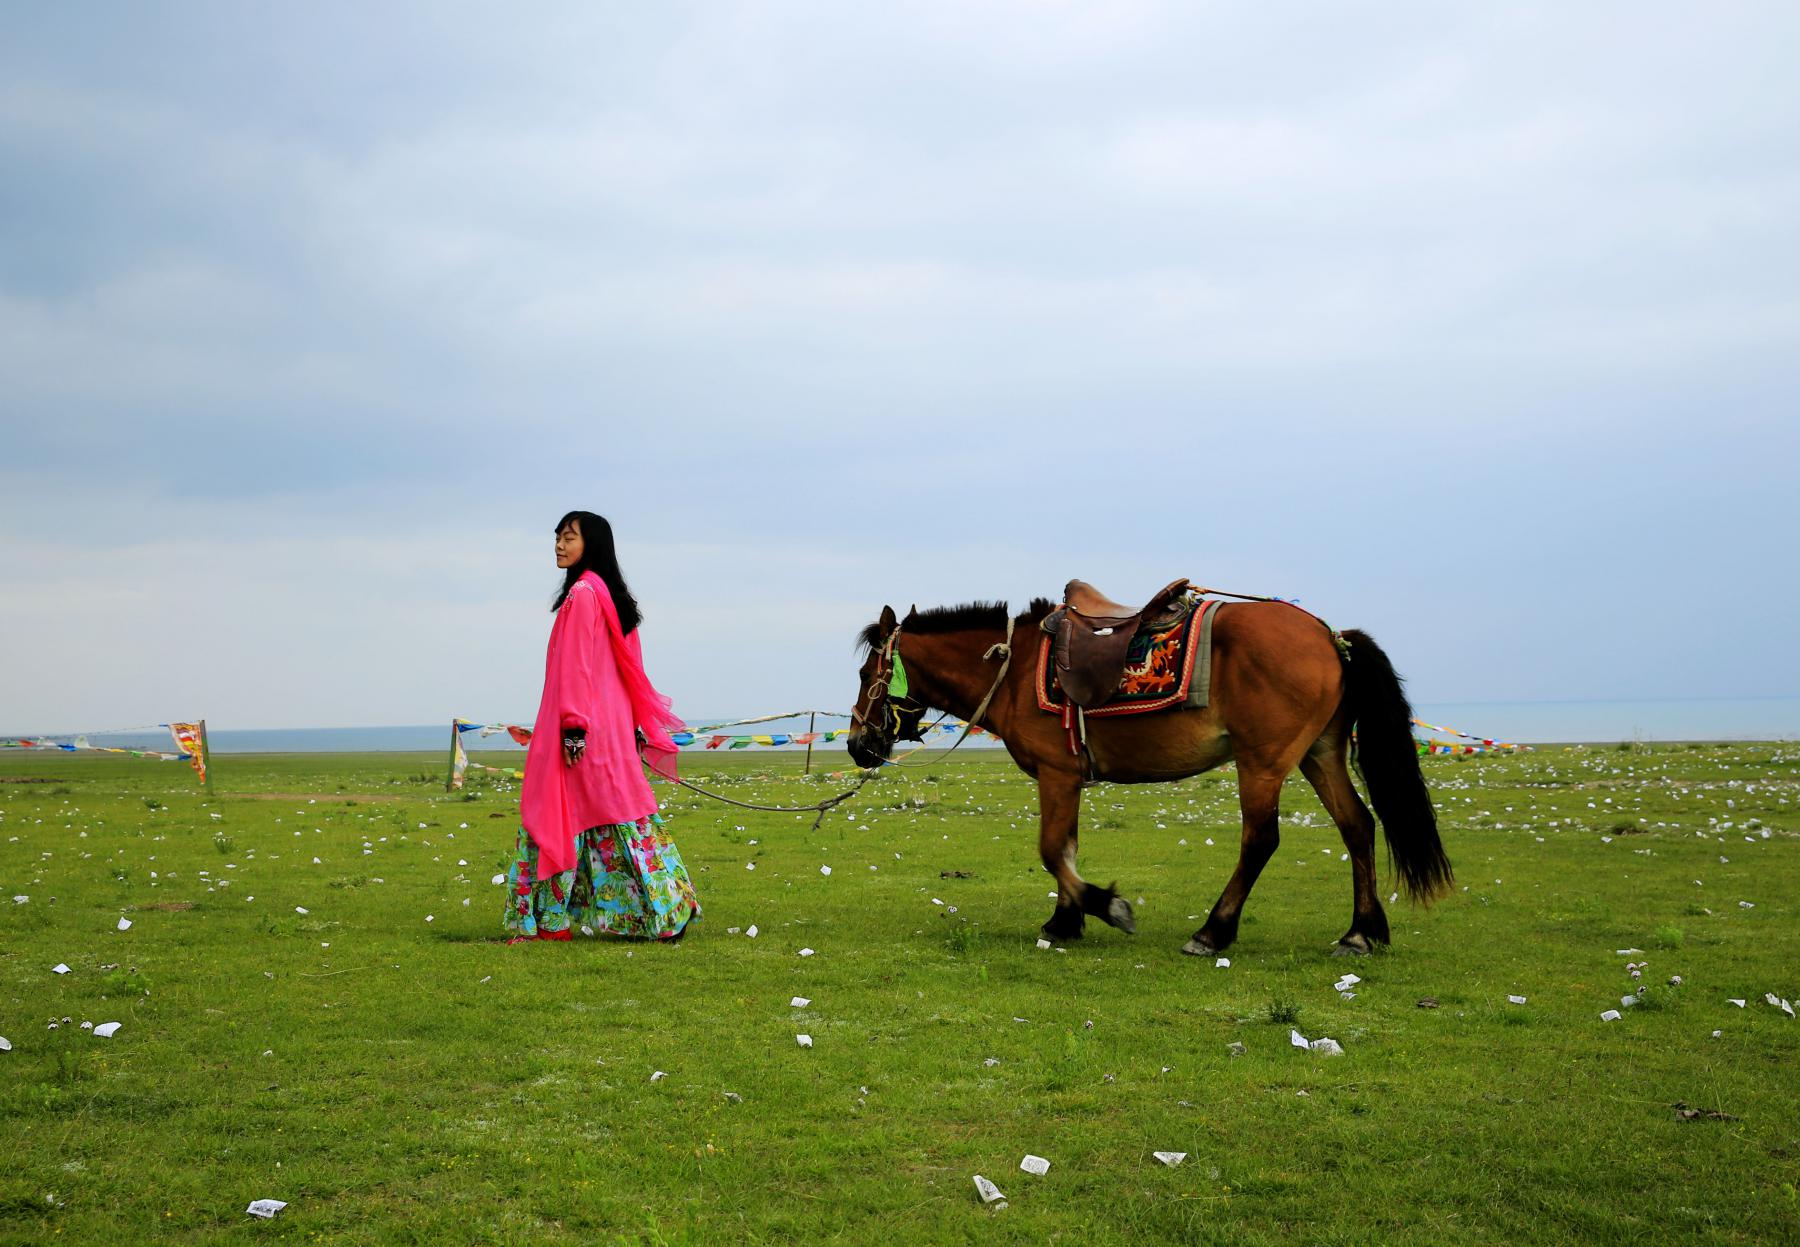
<point x="599" y="556"/>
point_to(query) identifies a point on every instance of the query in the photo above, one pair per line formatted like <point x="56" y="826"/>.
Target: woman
<point x="592" y="850"/>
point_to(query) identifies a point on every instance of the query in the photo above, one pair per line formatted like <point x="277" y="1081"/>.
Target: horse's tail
<point x="1388" y="761"/>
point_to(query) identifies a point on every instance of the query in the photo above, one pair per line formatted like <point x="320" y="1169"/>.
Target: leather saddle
<point x="1092" y="636"/>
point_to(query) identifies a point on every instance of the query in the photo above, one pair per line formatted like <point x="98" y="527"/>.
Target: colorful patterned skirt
<point x="627" y="880"/>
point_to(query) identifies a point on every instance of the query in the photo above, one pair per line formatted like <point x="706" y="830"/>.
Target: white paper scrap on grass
<point x="1349" y="980"/>
<point x="1171" y="1159"/>
<point x="1611" y="1015"/>
<point x="1035" y="1165"/>
<point x="1731" y="1000"/>
<point x="1223" y="963"/>
<point x="124" y="924"/>
<point x="1043" y="943"/>
<point x="658" y="1076"/>
<point x="106" y="1030"/>
<point x="5" y="1044"/>
<point x="990" y="1194"/>
<point x="750" y="930"/>
<point x="806" y="952"/>
<point x="1517" y="1000"/>
<point x="60" y="968"/>
<point x="825" y="870"/>
<point x="1298" y="1040"/>
<point x="1787" y="1008"/>
<point x="20" y="900"/>
<point x="1628" y="952"/>
<point x="300" y="909"/>
<point x="805" y="1041"/>
<point x="495" y="879"/>
<point x="1326" y="1047"/>
<point x="265" y="1208"/>
<point x="800" y="1002"/>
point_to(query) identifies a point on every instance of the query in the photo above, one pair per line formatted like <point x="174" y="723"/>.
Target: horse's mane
<point x="967" y="617"/>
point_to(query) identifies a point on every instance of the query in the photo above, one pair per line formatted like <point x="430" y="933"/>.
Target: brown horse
<point x="1281" y="696"/>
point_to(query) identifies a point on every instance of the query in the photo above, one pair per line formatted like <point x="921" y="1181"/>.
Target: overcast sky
<point x="1475" y="326"/>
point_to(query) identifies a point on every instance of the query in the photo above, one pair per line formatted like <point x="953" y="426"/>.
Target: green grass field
<point x="387" y="1067"/>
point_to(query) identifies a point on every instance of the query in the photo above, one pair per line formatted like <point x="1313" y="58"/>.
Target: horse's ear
<point x="912" y="612"/>
<point x="888" y="621"/>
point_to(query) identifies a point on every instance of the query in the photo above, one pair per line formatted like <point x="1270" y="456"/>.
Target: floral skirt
<point x="627" y="880"/>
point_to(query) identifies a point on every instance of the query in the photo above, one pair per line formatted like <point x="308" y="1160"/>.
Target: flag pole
<point x="450" y="775"/>
<point x="205" y="759"/>
<point x="812" y="720"/>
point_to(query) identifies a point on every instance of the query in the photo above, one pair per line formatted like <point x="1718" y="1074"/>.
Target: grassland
<point x="314" y="1008"/>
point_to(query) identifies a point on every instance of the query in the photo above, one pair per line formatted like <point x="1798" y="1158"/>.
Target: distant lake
<point x="1524" y="722"/>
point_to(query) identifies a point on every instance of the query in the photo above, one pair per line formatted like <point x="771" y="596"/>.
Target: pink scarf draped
<point x="594" y="679"/>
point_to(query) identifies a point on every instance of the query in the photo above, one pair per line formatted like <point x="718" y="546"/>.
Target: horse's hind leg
<point x="1326" y="771"/>
<point x="1259" y="798"/>
<point x="1059" y="812"/>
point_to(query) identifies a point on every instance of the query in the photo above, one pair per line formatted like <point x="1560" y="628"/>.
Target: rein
<point x="1004" y="649"/>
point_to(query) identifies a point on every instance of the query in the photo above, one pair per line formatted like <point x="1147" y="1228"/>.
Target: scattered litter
<point x="1327" y="1047"/>
<point x="106" y="1030"/>
<point x="1428" y="1002"/>
<point x="1171" y="1159"/>
<point x="1628" y="952"/>
<point x="1731" y="1000"/>
<point x="1223" y="963"/>
<point x="5" y="1044"/>
<point x="1298" y="1040"/>
<point x="1684" y="1113"/>
<point x="495" y="879"/>
<point x="20" y="900"/>
<point x="1349" y="980"/>
<point x="1625" y="1002"/>
<point x="1675" y="980"/>
<point x="1517" y="1000"/>
<point x="264" y="1208"/>
<point x="732" y="1097"/>
<point x="60" y="968"/>
<point x="1746" y="904"/>
<point x="658" y="1076"/>
<point x="87" y="1026"/>
<point x="1236" y="1048"/>
<point x="1042" y="943"/>
<point x="429" y="918"/>
<point x="1035" y="1165"/>
<point x="990" y="1062"/>
<point x="750" y="931"/>
<point x="806" y="952"/>
<point x="990" y="1194"/>
<point x="300" y="909"/>
<point x="825" y="870"/>
<point x="124" y="924"/>
<point x="805" y="1041"/>
<point x="1346" y="995"/>
<point x="1611" y="1015"/>
<point x="800" y="1002"/>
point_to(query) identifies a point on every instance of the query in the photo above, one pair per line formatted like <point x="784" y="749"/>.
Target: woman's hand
<point x="574" y="744"/>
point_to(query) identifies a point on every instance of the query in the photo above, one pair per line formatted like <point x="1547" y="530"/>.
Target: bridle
<point x="890" y="697"/>
<point x="902" y="714"/>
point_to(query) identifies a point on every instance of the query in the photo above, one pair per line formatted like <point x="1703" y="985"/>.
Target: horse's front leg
<point x="1059" y="814"/>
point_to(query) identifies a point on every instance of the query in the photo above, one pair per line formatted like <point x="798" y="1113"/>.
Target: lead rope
<point x="823" y="807"/>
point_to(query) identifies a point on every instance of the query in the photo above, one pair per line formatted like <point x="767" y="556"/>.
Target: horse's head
<point x="885" y="710"/>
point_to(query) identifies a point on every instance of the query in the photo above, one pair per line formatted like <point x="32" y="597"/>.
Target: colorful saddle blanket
<point x="1165" y="667"/>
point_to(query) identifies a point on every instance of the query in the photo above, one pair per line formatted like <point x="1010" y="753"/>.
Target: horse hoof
<point x="1194" y="948"/>
<point x="1118" y="912"/>
<point x="1345" y="949"/>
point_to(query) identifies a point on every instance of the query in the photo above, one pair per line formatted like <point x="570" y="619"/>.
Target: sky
<point x="1475" y="327"/>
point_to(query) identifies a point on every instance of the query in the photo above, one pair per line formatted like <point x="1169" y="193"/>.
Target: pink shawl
<point x="593" y="679"/>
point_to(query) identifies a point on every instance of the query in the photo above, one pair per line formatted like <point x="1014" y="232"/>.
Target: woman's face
<point x="569" y="546"/>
